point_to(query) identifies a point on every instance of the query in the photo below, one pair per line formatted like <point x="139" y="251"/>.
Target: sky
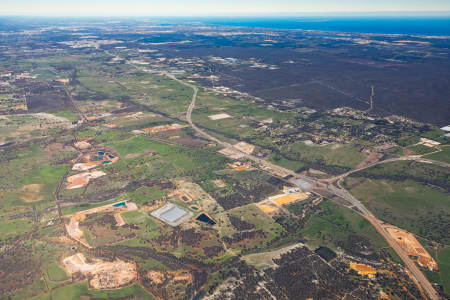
<point x="213" y="7"/>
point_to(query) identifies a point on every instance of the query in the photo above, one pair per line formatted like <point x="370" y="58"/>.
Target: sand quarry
<point x="73" y="227"/>
<point x="412" y="247"/>
<point x="272" y="205"/>
<point x="102" y="274"/>
<point x="82" y="179"/>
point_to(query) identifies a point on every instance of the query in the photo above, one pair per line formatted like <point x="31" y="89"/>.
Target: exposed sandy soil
<point x="119" y="219"/>
<point x="156" y="277"/>
<point x="265" y="259"/>
<point x="162" y="128"/>
<point x="182" y="194"/>
<point x="80" y="180"/>
<point x="31" y="193"/>
<point x="281" y="200"/>
<point x="245" y="147"/>
<point x="239" y="166"/>
<point x="231" y="153"/>
<point x="174" y="276"/>
<point x="219" y="183"/>
<point x="219" y="117"/>
<point x="371" y="158"/>
<point x="206" y="202"/>
<point x="269" y="208"/>
<point x="82" y="145"/>
<point x="316" y="172"/>
<point x="103" y="274"/>
<point x="407" y="152"/>
<point x="365" y="269"/>
<point x="412" y="247"/>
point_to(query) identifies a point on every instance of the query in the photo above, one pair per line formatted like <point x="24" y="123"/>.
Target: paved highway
<point x="418" y="276"/>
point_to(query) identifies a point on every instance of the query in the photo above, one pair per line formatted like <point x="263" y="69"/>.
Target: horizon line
<point x="411" y="13"/>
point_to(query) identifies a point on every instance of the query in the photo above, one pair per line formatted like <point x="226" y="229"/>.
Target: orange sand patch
<point x="412" y="247"/>
<point x="383" y="295"/>
<point x="162" y="128"/>
<point x="365" y="270"/>
<point x="102" y="274"/>
<point x="80" y="180"/>
<point x="238" y="166"/>
<point x="289" y="198"/>
<point x="119" y="219"/>
<point x="268" y="208"/>
<point x="31" y="193"/>
<point x="95" y="118"/>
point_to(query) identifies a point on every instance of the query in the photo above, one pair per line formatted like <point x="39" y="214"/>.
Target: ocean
<point x="384" y="25"/>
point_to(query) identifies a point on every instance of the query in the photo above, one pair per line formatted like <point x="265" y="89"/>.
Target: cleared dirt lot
<point x="31" y="193"/>
<point x="102" y="274"/>
<point x="80" y="180"/>
<point x="412" y="247"/>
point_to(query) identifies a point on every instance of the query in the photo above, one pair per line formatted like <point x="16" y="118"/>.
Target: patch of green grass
<point x="86" y="133"/>
<point x="421" y="149"/>
<point x="436" y="134"/>
<point x="80" y="291"/>
<point x="140" y="144"/>
<point x="56" y="272"/>
<point x="68" y="114"/>
<point x="409" y="140"/>
<point x="334" y="225"/>
<point x="13" y="228"/>
<point x="112" y="135"/>
<point x="73" y="209"/>
<point x="444" y="268"/>
<point x="134" y="217"/>
<point x="153" y="264"/>
<point x="346" y="155"/>
<point x="443" y="155"/>
<point x="254" y="215"/>
<point x="286" y="163"/>
<point x="145" y="194"/>
<point x="418" y="208"/>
